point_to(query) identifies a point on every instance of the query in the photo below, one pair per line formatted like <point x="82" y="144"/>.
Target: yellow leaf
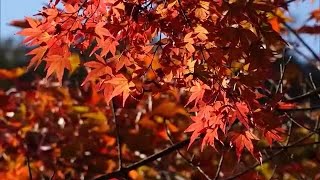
<point x="147" y="171"/>
<point x="12" y="73"/>
<point x="152" y="60"/>
<point x="170" y="5"/>
<point x="205" y="4"/>
<point x="200" y="29"/>
<point x="74" y="61"/>
<point x="190" y="48"/>
<point x="266" y="170"/>
<point x="80" y="109"/>
<point x="202" y="36"/>
<point x="201" y="14"/>
<point x="98" y="116"/>
<point x="246" y="67"/>
<point x="97" y="120"/>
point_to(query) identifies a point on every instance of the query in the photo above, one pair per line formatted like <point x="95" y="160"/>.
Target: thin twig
<point x="117" y="135"/>
<point x="298" y="37"/>
<point x="149" y="159"/>
<point x="283" y="68"/>
<point x="184" y="14"/>
<point x="305" y="95"/>
<point x="300" y="109"/>
<point x="273" y="172"/>
<point x="183" y="156"/>
<point x="289" y="132"/>
<point x="28" y="164"/>
<point x="288" y="2"/>
<point x="52" y="176"/>
<point x="294" y="146"/>
<point x="264" y="160"/>
<point x="300" y="125"/>
<point x="316" y="126"/>
<point x="219" y="166"/>
<point x="312" y="83"/>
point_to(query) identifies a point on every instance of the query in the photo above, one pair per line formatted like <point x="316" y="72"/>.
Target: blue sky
<point x="17" y="9"/>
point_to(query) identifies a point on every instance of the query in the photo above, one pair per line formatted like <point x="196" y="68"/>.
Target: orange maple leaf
<point x="57" y="64"/>
<point x="101" y="31"/>
<point x="39" y="52"/>
<point x="99" y="68"/>
<point x="197" y="91"/>
<point x="121" y="85"/>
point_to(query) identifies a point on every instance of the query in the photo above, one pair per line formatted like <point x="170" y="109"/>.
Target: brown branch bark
<point x="266" y="159"/>
<point x="300" y="109"/>
<point x="298" y="37"/>
<point x="29" y="167"/>
<point x="303" y="96"/>
<point x="197" y="167"/>
<point x="118" y="138"/>
<point x="219" y="166"/>
<point x="123" y="172"/>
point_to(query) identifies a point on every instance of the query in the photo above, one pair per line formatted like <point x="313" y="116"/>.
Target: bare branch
<point x="266" y="159"/>
<point x="219" y="166"/>
<point x="289" y="133"/>
<point x="305" y="95"/>
<point x="52" y="176"/>
<point x="313" y="84"/>
<point x="184" y="14"/>
<point x="283" y="67"/>
<point x="184" y="157"/>
<point x="28" y="164"/>
<point x="299" y="124"/>
<point x="295" y="145"/>
<point x="300" y="109"/>
<point x="117" y="135"/>
<point x="298" y="37"/>
<point x="122" y="173"/>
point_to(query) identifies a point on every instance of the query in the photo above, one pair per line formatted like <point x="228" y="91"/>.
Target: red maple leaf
<point x="196" y="128"/>
<point x="273" y="135"/>
<point x="241" y="111"/>
<point x="243" y="140"/>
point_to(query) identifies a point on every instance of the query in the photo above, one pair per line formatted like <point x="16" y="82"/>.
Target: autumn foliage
<point x="154" y="65"/>
<point x="140" y="47"/>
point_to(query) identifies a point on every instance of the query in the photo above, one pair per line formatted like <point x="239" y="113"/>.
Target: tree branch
<point x="266" y="159"/>
<point x="300" y="125"/>
<point x="117" y="135"/>
<point x="28" y="164"/>
<point x="183" y="156"/>
<point x="283" y="67"/>
<point x="122" y="172"/>
<point x="219" y="166"/>
<point x="305" y="95"/>
<point x="298" y="37"/>
<point x="300" y="109"/>
<point x="295" y="145"/>
<point x="52" y="176"/>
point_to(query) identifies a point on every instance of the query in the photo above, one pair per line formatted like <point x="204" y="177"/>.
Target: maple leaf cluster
<point x="219" y="53"/>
